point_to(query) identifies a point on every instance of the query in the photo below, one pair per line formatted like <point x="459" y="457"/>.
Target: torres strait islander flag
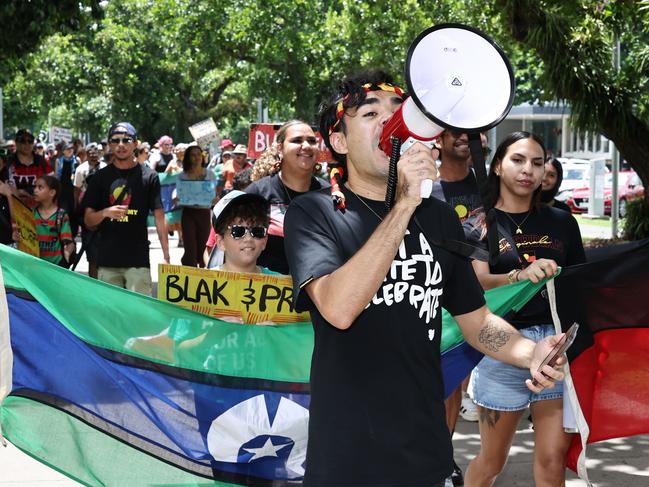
<point x="115" y="388"/>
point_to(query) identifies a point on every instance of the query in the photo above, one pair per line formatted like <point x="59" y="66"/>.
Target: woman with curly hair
<point x="282" y="173"/>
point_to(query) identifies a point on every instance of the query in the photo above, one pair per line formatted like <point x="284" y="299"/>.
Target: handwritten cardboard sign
<point x="254" y="298"/>
<point x="24" y="218"/>
<point x="195" y="193"/>
<point x="204" y="132"/>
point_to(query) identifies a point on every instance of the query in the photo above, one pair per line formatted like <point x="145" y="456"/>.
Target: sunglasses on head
<point x="123" y="140"/>
<point x="239" y="231"/>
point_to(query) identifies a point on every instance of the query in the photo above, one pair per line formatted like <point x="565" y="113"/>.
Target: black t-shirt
<point x="561" y="206"/>
<point x="463" y="196"/>
<point x="5" y="222"/>
<point x="124" y="243"/>
<point x="548" y="233"/>
<point x="163" y="162"/>
<point x="279" y="197"/>
<point x="377" y="396"/>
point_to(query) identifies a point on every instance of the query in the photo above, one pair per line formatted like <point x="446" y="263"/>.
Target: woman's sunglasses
<point x="239" y="231"/>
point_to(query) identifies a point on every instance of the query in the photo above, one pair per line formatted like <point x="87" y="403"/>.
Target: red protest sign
<point x="262" y="135"/>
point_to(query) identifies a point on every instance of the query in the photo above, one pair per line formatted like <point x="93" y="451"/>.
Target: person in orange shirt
<point x="233" y="167"/>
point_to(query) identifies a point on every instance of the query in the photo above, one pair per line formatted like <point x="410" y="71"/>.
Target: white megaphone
<point x="458" y="79"/>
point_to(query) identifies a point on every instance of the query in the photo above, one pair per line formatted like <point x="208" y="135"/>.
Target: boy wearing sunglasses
<point x="240" y="222"/>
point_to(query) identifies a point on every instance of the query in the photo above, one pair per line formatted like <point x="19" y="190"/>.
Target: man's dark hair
<point x="351" y="92"/>
<point x="253" y="211"/>
<point x="241" y="180"/>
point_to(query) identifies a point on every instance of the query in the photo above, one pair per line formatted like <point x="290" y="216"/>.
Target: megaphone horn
<point x="458" y="79"/>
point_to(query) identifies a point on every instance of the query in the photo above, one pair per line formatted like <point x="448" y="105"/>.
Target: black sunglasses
<point x="123" y="140"/>
<point x="25" y="141"/>
<point x="239" y="231"/>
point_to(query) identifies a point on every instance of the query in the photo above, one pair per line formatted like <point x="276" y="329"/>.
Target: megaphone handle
<point x="392" y="172"/>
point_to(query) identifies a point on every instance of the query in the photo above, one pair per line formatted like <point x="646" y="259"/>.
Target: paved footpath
<point x="615" y="463"/>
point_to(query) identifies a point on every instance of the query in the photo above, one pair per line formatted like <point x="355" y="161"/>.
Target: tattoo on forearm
<point x="493" y="337"/>
<point x="489" y="416"/>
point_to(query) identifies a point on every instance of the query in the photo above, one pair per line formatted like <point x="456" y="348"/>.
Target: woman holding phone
<point x="533" y="239"/>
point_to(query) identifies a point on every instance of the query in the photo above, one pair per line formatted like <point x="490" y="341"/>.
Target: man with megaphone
<point x="375" y="282"/>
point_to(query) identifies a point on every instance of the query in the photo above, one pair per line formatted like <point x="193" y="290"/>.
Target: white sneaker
<point x="468" y="409"/>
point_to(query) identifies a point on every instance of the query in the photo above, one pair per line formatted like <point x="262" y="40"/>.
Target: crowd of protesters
<point x="100" y="199"/>
<point x="286" y="170"/>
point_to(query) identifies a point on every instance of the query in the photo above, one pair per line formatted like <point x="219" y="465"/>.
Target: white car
<point x="576" y="174"/>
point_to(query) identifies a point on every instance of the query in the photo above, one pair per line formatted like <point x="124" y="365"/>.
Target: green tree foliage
<point x="26" y="23"/>
<point x="575" y="40"/>
<point x="165" y="64"/>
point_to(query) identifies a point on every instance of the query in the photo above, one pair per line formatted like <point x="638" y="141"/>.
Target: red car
<point x="629" y="188"/>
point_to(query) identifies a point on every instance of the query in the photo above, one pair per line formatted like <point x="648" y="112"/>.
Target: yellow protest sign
<point x="251" y="298"/>
<point x="24" y="218"/>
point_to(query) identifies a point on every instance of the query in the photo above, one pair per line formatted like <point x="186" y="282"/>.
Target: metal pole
<point x="260" y="110"/>
<point x="615" y="207"/>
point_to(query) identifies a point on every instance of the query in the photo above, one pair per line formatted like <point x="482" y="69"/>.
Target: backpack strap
<point x="510" y="240"/>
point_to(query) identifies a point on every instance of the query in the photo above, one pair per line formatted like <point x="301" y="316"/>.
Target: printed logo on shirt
<point x="528" y="245"/>
<point x="536" y="241"/>
<point x="464" y="204"/>
<point x="25" y="181"/>
<point x="116" y="189"/>
<point x="401" y="284"/>
<point x="529" y="257"/>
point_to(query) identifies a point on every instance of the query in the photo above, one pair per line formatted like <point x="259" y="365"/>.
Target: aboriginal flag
<point x="609" y="361"/>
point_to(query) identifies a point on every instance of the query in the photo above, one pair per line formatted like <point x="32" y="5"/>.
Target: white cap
<point x="217" y="257"/>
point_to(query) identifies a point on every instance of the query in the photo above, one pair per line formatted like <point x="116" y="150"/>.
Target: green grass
<point x="597" y="222"/>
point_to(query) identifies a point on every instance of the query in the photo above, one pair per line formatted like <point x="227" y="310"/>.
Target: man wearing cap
<point x="233" y="167"/>
<point x="25" y="167"/>
<point x="117" y="204"/>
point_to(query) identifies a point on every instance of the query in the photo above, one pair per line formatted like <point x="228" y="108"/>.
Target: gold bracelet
<point x="512" y="276"/>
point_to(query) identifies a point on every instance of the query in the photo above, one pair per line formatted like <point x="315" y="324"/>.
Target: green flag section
<point x="84" y="453"/>
<point x="109" y="317"/>
<point x="115" y="388"/>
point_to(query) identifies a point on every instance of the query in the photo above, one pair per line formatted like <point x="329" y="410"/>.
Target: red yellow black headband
<point x="367" y="87"/>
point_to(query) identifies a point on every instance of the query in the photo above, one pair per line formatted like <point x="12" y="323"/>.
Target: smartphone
<point x="559" y="349"/>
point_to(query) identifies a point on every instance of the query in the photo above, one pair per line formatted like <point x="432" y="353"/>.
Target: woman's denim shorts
<point x="502" y="387"/>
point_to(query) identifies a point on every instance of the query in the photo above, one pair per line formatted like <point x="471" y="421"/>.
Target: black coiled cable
<point x="392" y="172"/>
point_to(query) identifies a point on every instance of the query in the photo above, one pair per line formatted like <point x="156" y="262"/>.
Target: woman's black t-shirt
<point x="377" y="395"/>
<point x="280" y="197"/>
<point x="548" y="233"/>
